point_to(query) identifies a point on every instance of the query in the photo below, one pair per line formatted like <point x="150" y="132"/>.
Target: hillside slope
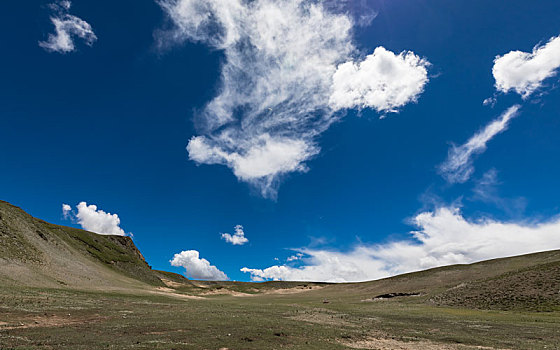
<point x="36" y="253"/>
<point x="526" y="282"/>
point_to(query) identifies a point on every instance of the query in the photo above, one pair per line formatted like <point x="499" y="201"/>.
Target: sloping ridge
<point x="526" y="282"/>
<point x="533" y="288"/>
<point x="39" y="254"/>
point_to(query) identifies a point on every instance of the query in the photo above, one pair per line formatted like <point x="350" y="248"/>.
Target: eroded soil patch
<point x="395" y="344"/>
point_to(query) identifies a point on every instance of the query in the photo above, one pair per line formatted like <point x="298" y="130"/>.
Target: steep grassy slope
<point x="36" y="253"/>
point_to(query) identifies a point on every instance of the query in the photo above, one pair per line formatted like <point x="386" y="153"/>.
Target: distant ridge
<point x="35" y="253"/>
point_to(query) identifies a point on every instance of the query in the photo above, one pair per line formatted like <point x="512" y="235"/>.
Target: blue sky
<point x="293" y="139"/>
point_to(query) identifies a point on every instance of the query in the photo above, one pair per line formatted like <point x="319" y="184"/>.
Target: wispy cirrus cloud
<point x="525" y="72"/>
<point x="361" y="12"/>
<point x="67" y="28"/>
<point x="197" y="267"/>
<point x="288" y="69"/>
<point x="444" y="237"/>
<point x="458" y="166"/>
<point x="486" y="190"/>
<point x="93" y="219"/>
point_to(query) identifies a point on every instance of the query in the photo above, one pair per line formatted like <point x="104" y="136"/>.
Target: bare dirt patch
<point x="49" y="321"/>
<point x="293" y="290"/>
<point x="171" y="292"/>
<point x="171" y="284"/>
<point x="395" y="344"/>
<point x="224" y="291"/>
<point x="324" y="317"/>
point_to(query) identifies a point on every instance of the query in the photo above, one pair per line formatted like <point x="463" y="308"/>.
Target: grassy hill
<point x="526" y="282"/>
<point x="36" y="253"/>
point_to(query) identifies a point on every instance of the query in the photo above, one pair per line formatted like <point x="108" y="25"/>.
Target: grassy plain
<point x="282" y="319"/>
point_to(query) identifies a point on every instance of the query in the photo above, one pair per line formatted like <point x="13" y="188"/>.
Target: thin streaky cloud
<point x="458" y="166"/>
<point x="486" y="190"/>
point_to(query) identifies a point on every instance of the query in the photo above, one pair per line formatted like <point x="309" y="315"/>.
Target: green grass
<point x="117" y="252"/>
<point x="297" y="321"/>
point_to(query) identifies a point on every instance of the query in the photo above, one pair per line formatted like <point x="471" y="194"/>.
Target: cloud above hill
<point x="525" y="72"/>
<point x="444" y="237"/>
<point x="289" y="68"/>
<point x="67" y="28"/>
<point x="196" y="267"/>
<point x="93" y="219"/>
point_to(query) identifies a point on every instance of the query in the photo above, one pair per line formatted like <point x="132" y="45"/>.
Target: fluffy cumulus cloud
<point x="238" y="238"/>
<point x="525" y="72"/>
<point x="265" y="159"/>
<point x="383" y="81"/>
<point x="93" y="219"/>
<point x="196" y="267"/>
<point x="277" y="80"/>
<point x="458" y="167"/>
<point x="67" y="27"/>
<point x="443" y="237"/>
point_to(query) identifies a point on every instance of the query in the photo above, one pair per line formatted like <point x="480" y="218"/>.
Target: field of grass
<point x="69" y="319"/>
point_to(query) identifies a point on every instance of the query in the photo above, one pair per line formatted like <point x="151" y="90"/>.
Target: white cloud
<point x="238" y="238"/>
<point x="525" y="72"/>
<point x="197" y="268"/>
<point x="458" y="167"/>
<point x="67" y="27"/>
<point x="295" y="257"/>
<point x="382" y="81"/>
<point x="490" y="101"/>
<point x="444" y="237"/>
<point x="264" y="158"/>
<point x="276" y="81"/>
<point x="94" y="220"/>
<point x="66" y="210"/>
